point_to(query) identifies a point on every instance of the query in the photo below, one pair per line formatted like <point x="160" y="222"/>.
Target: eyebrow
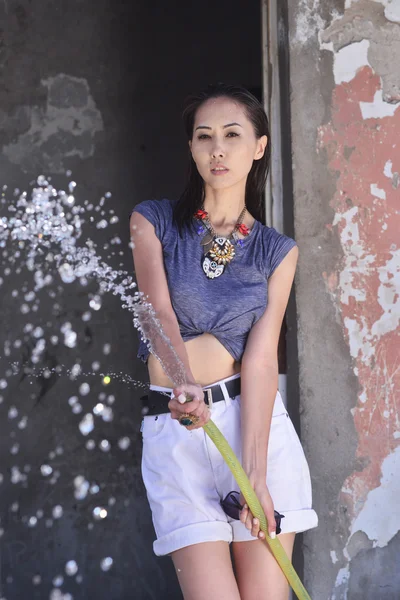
<point x="224" y="127"/>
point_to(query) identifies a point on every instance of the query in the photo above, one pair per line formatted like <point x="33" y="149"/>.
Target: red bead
<point x="243" y="229"/>
<point x="201" y="214"/>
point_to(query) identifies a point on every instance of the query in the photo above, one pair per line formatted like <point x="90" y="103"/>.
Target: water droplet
<point x="87" y="424"/>
<point x="106" y="563"/>
<point x="46" y="470"/>
<point x="124" y="443"/>
<point x="57" y="512"/>
<point x="84" y="389"/>
<point x="14" y="449"/>
<point x="76" y="370"/>
<point x="99" y="513"/>
<point x="12" y="412"/>
<point x="98" y="409"/>
<point x="71" y="568"/>
<point x="73" y="400"/>
<point x="105" y="445"/>
<point x="32" y="521"/>
<point x="58" y="581"/>
<point x="70" y="338"/>
<point x="23" y="423"/>
<point x="81" y="487"/>
<point x="102" y="224"/>
<point x="95" y="303"/>
<point x="66" y="273"/>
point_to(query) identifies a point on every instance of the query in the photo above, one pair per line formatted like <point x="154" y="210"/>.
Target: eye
<point x="203" y="136"/>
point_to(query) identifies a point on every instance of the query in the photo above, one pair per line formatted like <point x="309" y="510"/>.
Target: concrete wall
<point x="95" y="87"/>
<point x="345" y="104"/>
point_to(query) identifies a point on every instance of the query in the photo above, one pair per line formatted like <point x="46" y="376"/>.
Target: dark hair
<point x="192" y="197"/>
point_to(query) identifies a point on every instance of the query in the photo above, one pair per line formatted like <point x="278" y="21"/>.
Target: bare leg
<point x="205" y="572"/>
<point x="258" y="574"/>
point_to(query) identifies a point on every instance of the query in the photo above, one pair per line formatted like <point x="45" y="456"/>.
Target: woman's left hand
<point x="246" y="516"/>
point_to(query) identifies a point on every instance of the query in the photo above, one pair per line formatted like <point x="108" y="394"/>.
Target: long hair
<point x="193" y="195"/>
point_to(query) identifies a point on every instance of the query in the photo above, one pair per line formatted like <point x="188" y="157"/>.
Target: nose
<point x="217" y="149"/>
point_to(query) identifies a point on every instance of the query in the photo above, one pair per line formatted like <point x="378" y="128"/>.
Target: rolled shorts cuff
<point x="208" y="531"/>
<point x="295" y="521"/>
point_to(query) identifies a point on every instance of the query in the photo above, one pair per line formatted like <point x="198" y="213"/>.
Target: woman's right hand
<point x="178" y="404"/>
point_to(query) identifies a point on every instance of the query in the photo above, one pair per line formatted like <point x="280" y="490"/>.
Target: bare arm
<point x="152" y="281"/>
<point x="259" y="372"/>
<point x="259" y="375"/>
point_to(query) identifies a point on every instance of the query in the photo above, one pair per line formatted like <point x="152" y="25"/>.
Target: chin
<point x="218" y="184"/>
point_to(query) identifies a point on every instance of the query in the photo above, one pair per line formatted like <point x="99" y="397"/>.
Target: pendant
<point x="220" y="254"/>
<point x="211" y="268"/>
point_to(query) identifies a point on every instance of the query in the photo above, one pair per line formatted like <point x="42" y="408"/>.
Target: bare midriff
<point x="209" y="362"/>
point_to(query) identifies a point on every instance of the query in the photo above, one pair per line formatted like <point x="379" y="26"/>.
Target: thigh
<point x="205" y="572"/>
<point x="257" y="571"/>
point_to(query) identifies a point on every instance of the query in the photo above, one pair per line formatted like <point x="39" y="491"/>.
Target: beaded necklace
<point x="219" y="250"/>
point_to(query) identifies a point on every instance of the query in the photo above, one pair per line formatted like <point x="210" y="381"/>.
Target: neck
<point x="223" y="207"/>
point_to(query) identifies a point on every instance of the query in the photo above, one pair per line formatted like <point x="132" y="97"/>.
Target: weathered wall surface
<point x="345" y="101"/>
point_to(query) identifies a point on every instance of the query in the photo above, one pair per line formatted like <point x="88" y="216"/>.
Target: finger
<point x="203" y="418"/>
<point x="255" y="527"/>
<point x="176" y="406"/>
<point x="271" y="523"/>
<point x="187" y="392"/>
<point x="204" y="412"/>
<point x="249" y="520"/>
<point x="243" y="514"/>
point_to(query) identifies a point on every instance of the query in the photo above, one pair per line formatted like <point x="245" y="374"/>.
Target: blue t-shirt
<point x="227" y="306"/>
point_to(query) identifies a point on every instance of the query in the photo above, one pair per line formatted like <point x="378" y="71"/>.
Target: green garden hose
<point x="254" y="505"/>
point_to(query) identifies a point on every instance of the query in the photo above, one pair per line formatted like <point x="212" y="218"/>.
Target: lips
<point x="219" y="169"/>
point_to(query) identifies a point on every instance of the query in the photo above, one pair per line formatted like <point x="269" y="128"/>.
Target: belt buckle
<point x="208" y="393"/>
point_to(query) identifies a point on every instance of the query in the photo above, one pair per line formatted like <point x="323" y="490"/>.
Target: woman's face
<point x="223" y="136"/>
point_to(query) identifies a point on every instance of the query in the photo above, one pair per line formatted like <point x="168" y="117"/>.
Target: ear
<point x="190" y="145"/>
<point x="261" y="145"/>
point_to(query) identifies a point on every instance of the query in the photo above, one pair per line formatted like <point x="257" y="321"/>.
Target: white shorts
<point x="186" y="477"/>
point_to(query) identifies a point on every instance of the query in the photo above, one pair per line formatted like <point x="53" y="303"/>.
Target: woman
<point x="219" y="281"/>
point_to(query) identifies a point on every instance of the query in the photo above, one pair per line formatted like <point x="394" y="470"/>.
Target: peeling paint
<point x="378" y="192"/>
<point x="65" y="127"/>
<point x="341" y="584"/>
<point x="392" y="11"/>
<point x="366" y="22"/>
<point x="378" y="108"/>
<point x="334" y="557"/>
<point x="392" y="8"/>
<point x="387" y="169"/>
<point x="365" y="288"/>
<point x="380" y="524"/>
<point x="348" y="60"/>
